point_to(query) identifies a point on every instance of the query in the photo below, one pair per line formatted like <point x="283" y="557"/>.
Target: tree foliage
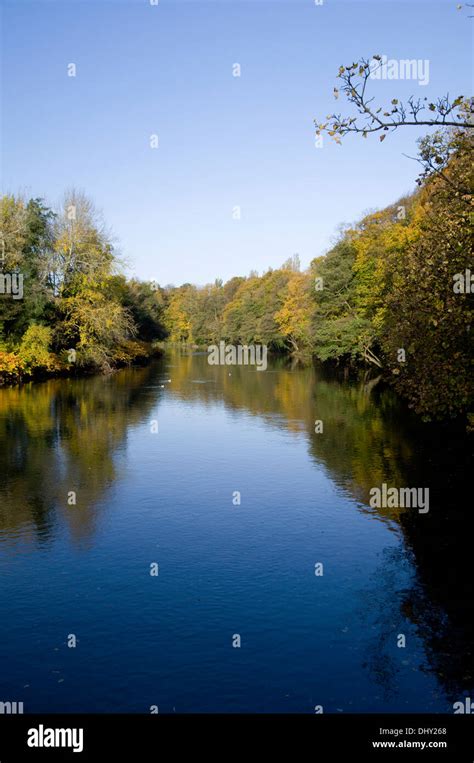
<point x="394" y="293"/>
<point x="383" y="296"/>
<point x="73" y="296"/>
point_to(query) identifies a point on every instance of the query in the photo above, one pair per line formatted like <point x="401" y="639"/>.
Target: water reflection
<point x="58" y="437"/>
<point x="71" y="435"/>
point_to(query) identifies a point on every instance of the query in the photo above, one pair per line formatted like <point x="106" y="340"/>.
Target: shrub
<point x="34" y="348"/>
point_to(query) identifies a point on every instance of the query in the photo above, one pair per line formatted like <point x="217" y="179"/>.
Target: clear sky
<point x="224" y="141"/>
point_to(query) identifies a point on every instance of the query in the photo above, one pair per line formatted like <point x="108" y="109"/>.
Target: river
<point x="180" y="537"/>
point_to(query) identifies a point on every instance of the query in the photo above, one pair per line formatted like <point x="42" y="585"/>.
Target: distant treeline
<point x="393" y="293"/>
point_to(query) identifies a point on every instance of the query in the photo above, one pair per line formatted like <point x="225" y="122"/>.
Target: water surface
<point x="224" y="569"/>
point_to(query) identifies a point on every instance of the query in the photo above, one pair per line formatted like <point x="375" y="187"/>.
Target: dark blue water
<point x="226" y="569"/>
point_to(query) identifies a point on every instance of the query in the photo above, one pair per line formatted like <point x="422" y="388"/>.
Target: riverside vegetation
<point x="394" y="293"/>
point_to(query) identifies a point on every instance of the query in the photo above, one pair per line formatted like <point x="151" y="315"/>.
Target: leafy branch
<point x="372" y="118"/>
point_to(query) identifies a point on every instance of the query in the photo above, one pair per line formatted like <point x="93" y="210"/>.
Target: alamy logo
<point x="45" y="737"/>
<point x="12" y="283"/>
<point x="463" y="282"/>
<point x="384" y="67"/>
<point x="400" y="498"/>
<point x="464" y="707"/>
<point x="11" y="708"/>
<point x="237" y="355"/>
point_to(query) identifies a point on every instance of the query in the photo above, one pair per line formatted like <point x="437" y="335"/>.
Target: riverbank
<point x="16" y="369"/>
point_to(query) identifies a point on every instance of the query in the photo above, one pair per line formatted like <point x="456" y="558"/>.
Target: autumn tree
<point x="295" y="317"/>
<point x="426" y="336"/>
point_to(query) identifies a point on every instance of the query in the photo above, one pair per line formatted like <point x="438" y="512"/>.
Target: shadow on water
<point x="71" y="432"/>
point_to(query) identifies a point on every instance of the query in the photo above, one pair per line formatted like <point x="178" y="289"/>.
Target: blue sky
<point x="224" y="141"/>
